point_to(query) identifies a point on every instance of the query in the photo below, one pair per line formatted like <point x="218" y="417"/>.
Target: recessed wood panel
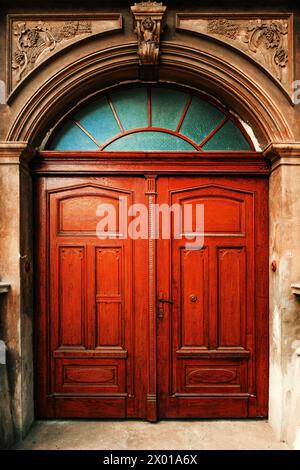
<point x="196" y="376"/>
<point x="81" y="213"/>
<point x="87" y="375"/>
<point x="90" y="375"/>
<point x="199" y="376"/>
<point x="221" y="214"/>
<point x="212" y="407"/>
<point x="108" y="266"/>
<point x="108" y="323"/>
<point x="232" y="295"/>
<point x="109" y="296"/>
<point x="71" y="295"/>
<point x="210" y="375"/>
<point x="194" y="297"/>
<point x="90" y="407"/>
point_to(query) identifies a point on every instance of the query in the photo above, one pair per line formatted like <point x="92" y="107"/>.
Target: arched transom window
<point x="153" y="118"/>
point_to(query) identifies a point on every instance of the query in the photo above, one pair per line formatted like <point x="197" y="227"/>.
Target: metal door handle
<point x="161" y="312"/>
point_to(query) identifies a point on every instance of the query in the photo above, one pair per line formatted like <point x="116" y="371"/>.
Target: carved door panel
<point x="104" y="350"/>
<point x="212" y="338"/>
<point x="95" y="349"/>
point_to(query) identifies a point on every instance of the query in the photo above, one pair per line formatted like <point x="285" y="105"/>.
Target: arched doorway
<point x="150" y="326"/>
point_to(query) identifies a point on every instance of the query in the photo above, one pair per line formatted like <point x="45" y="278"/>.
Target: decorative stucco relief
<point x="267" y="39"/>
<point x="148" y="17"/>
<point x="34" y="39"/>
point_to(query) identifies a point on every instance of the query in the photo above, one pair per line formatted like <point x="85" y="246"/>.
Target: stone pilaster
<point x="284" y="304"/>
<point x="16" y="377"/>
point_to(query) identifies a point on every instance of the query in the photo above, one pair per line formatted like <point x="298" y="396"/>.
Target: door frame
<point x="151" y="165"/>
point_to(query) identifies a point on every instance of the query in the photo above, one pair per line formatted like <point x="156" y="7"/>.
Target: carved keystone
<point x="148" y="18"/>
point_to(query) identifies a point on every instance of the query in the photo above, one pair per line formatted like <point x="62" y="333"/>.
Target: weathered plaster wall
<point x="16" y="308"/>
<point x="284" y="306"/>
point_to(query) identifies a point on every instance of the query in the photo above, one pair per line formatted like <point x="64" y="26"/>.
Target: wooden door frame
<point x="151" y="165"/>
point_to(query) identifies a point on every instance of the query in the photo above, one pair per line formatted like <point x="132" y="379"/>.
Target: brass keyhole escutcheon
<point x="193" y="298"/>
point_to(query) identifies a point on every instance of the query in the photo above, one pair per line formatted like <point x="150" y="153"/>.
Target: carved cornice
<point x="279" y="154"/>
<point x="32" y="39"/>
<point x="16" y="153"/>
<point x="148" y="18"/>
<point x="267" y="38"/>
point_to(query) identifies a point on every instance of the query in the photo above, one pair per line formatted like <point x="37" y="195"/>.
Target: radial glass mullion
<point x="98" y="119"/>
<point x="71" y="137"/>
<point x="228" y="137"/>
<point x="167" y="106"/>
<point x="131" y="106"/>
<point x="200" y="120"/>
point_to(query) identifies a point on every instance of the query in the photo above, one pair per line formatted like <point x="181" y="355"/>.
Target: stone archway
<point x="119" y="64"/>
<point x="34" y="111"/>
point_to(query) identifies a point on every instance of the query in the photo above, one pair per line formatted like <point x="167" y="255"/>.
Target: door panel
<point x="97" y="335"/>
<point x="231" y="296"/>
<point x="194" y="319"/>
<point x="209" y="348"/>
<point x="93" y="311"/>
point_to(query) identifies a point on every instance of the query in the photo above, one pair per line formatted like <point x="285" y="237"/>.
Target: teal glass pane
<point x="229" y="137"/>
<point x="131" y="107"/>
<point x="167" y="107"/>
<point x="98" y="119"/>
<point x="148" y="141"/>
<point x="200" y="120"/>
<point x="71" y="137"/>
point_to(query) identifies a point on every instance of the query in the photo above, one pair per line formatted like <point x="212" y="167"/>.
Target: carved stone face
<point x="29" y="38"/>
<point x="148" y="23"/>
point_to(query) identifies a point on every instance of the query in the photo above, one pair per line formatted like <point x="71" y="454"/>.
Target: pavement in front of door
<point x="164" y="435"/>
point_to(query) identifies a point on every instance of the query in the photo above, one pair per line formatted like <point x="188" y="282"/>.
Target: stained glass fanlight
<point x="151" y="119"/>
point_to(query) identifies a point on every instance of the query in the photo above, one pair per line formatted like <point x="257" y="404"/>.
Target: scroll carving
<point x="148" y="17"/>
<point x="266" y="39"/>
<point x="33" y="39"/>
<point x="33" y="42"/>
<point x="270" y="36"/>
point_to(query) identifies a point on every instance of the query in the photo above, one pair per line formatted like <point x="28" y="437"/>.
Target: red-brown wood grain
<point x="100" y="350"/>
<point x="212" y="350"/>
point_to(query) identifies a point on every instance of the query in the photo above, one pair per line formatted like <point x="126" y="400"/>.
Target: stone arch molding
<point x="179" y="62"/>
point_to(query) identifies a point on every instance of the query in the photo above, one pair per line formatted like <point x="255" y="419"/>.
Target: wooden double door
<point x="151" y="328"/>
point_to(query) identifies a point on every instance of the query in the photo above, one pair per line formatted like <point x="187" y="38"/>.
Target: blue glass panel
<point x="148" y="141"/>
<point x="167" y="107"/>
<point x="229" y="137"/>
<point x="71" y="137"/>
<point x="98" y="119"/>
<point x="131" y="107"/>
<point x="200" y="120"/>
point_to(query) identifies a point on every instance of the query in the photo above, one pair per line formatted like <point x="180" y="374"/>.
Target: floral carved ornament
<point x="267" y="40"/>
<point x="270" y="35"/>
<point x="34" y="42"/>
<point x="33" y="39"/>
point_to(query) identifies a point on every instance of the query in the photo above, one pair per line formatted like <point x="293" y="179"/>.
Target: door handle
<point x="161" y="302"/>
